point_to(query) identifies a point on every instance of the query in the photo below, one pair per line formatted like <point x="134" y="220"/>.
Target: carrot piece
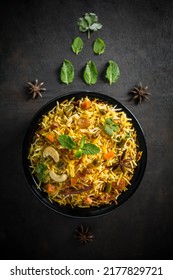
<point x="88" y="200"/>
<point x="74" y="181"/>
<point x="50" y="188"/>
<point x="86" y="104"/>
<point x="50" y="137"/>
<point x="109" y="155"/>
<point x="122" y="185"/>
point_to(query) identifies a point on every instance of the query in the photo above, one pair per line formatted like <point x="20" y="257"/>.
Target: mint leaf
<point x="95" y="26"/>
<point x="99" y="46"/>
<point x="112" y="72"/>
<point x="90" y="73"/>
<point x="77" y="45"/>
<point x="67" y="72"/>
<point x="91" y="18"/>
<point x="66" y="141"/>
<point x="83" y="24"/>
<point x="90" y="149"/>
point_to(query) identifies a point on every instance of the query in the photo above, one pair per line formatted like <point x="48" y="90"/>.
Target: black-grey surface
<point x="35" y="38"/>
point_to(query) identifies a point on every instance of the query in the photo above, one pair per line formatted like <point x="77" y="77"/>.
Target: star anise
<point x="122" y="162"/>
<point x="84" y="235"/>
<point x="140" y="93"/>
<point x="35" y="89"/>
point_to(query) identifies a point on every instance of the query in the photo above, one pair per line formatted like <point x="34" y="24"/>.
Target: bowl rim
<point x="78" y="212"/>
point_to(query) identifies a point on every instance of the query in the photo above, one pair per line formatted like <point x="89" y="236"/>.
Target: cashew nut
<point x="70" y="119"/>
<point x="50" y="151"/>
<point x="57" y="178"/>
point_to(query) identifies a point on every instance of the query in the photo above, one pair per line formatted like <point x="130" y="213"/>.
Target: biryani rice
<point x="92" y="180"/>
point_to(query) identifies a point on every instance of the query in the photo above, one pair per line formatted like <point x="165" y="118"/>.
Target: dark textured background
<point x="35" y="38"/>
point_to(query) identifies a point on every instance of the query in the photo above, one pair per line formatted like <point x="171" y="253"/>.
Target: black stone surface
<point x="35" y="38"/>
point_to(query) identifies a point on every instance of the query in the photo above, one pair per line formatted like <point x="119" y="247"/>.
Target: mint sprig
<point x="89" y="23"/>
<point x="84" y="148"/>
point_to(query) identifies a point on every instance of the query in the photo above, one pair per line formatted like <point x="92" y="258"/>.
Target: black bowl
<point x="92" y="211"/>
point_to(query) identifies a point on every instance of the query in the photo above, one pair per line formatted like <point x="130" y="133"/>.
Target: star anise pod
<point x="122" y="162"/>
<point x="140" y="93"/>
<point x="84" y="235"/>
<point x="35" y="89"/>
